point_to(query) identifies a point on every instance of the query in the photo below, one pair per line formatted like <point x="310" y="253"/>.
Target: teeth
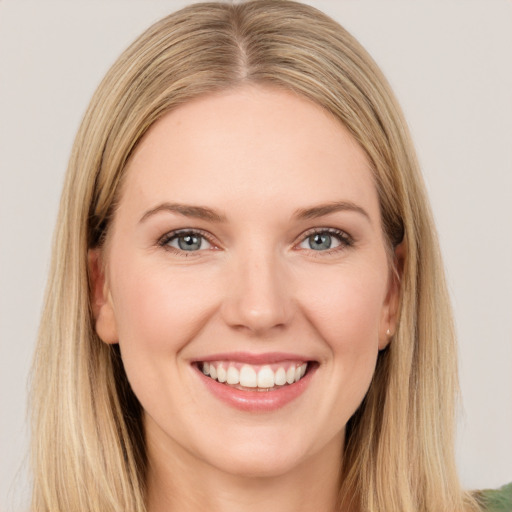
<point x="248" y="376"/>
<point x="221" y="374"/>
<point x="299" y="372"/>
<point x="280" y="378"/>
<point x="266" y="377"/>
<point x="233" y="375"/>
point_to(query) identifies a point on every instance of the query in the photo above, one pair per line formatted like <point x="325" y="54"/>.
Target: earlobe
<point x="392" y="304"/>
<point x="101" y="299"/>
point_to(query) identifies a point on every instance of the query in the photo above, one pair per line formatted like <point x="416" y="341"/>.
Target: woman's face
<point x="247" y="245"/>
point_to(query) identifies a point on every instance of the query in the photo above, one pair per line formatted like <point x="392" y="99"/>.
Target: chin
<point x="258" y="466"/>
<point x="258" y="458"/>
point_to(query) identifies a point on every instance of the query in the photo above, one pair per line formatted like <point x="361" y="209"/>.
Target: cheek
<point x="345" y="305"/>
<point x="158" y="304"/>
<point x="158" y="311"/>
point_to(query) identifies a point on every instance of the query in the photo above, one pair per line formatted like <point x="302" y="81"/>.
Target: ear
<point x="390" y="310"/>
<point x="101" y="299"/>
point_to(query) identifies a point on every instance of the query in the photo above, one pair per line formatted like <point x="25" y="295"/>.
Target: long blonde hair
<point x="88" y="451"/>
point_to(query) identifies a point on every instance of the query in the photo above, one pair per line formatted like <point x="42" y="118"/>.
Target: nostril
<point x="255" y="320"/>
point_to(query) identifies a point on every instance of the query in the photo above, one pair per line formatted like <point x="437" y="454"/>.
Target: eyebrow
<point x="196" y="212"/>
<point x="327" y="208"/>
<point x="204" y="213"/>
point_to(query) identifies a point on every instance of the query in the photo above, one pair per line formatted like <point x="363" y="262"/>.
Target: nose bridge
<point x="259" y="294"/>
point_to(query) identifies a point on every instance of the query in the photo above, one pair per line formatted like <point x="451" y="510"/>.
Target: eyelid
<point x="164" y="240"/>
<point x="345" y="239"/>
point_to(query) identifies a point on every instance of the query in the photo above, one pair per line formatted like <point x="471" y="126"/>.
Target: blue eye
<point x="320" y="241"/>
<point x="326" y="240"/>
<point x="189" y="241"/>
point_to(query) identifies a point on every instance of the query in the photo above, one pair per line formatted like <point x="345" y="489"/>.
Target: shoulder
<point x="496" y="500"/>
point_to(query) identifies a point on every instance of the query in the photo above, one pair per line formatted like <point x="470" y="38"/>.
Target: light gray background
<point x="450" y="65"/>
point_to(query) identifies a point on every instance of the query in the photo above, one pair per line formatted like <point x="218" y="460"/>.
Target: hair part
<point x="88" y="450"/>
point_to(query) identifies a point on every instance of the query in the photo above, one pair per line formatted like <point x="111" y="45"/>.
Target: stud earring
<point x="388" y="333"/>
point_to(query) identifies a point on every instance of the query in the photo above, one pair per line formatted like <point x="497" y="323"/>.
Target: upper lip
<point x="251" y="358"/>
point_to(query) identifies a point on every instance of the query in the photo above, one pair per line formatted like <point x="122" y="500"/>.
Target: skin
<point x="255" y="156"/>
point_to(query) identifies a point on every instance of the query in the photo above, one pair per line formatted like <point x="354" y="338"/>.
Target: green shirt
<point x="496" y="500"/>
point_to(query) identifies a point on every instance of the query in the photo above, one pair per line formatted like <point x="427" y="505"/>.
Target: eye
<point x="326" y="240"/>
<point x="189" y="241"/>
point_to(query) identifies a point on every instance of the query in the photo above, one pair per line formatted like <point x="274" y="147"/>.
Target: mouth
<point x="251" y="377"/>
<point x="251" y="383"/>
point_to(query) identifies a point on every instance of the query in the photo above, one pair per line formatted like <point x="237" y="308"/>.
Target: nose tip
<point x="259" y="318"/>
<point x="258" y="299"/>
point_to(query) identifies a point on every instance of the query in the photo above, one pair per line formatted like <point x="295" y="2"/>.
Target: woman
<point x="243" y="202"/>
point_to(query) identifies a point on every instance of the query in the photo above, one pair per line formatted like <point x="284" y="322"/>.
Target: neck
<point x="177" y="480"/>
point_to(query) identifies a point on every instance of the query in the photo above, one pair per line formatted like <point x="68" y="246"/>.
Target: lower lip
<point x="257" y="401"/>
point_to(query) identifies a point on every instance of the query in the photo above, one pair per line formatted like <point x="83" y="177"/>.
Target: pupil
<point x="189" y="242"/>
<point x="320" y="241"/>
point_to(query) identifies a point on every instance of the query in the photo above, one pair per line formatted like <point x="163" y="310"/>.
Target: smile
<point x="255" y="377"/>
<point x="256" y="383"/>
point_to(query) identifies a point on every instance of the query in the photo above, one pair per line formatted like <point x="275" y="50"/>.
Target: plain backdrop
<point x="450" y="63"/>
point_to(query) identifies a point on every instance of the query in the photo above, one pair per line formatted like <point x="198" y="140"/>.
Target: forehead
<point x="253" y="145"/>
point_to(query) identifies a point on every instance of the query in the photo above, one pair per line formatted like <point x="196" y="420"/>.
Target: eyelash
<point x="172" y="235"/>
<point x="345" y="240"/>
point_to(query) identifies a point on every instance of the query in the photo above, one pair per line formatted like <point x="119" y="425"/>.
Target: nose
<point x="259" y="294"/>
